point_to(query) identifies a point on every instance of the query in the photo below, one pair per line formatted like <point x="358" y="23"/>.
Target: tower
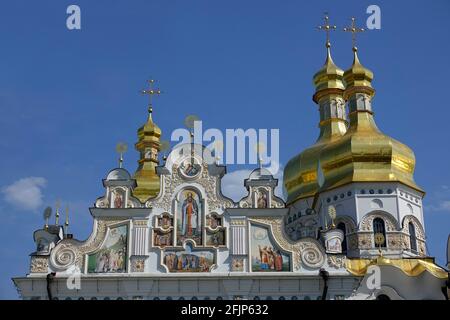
<point x="148" y="145"/>
<point x="302" y="179"/>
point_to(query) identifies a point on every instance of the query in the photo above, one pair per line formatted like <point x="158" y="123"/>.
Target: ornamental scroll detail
<point x="70" y="252"/>
<point x="172" y="181"/>
<point x="306" y="252"/>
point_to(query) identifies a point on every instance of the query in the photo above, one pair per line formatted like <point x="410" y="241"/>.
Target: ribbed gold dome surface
<point x="364" y="153"/>
<point x="148" y="145"/>
<point x="300" y="173"/>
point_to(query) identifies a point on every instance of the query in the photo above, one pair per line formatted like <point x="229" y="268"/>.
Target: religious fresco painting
<point x="215" y="238"/>
<point x="165" y="221"/>
<point x="261" y="199"/>
<point x="213" y="221"/>
<point x="118" y="198"/>
<point x="189" y="217"/>
<point x="112" y="256"/>
<point x="266" y="256"/>
<point x="189" y="260"/>
<point x="162" y="239"/>
<point x="190" y="168"/>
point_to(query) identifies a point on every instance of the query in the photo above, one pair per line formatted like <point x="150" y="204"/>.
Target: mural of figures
<point x="189" y="217"/>
<point x="112" y="256"/>
<point x="162" y="239"/>
<point x="262" y="200"/>
<point x="266" y="256"/>
<point x="213" y="221"/>
<point x="216" y="238"/>
<point x="165" y="222"/>
<point x="190" y="168"/>
<point x="119" y="198"/>
<point x="188" y="260"/>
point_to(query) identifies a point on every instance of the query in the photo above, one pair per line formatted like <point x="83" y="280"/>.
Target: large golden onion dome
<point x="364" y="153"/>
<point x="300" y="173"/>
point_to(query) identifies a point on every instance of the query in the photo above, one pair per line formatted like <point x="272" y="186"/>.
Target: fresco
<point x="189" y="217"/>
<point x="112" y="256"/>
<point x="162" y="239"/>
<point x="216" y="238"/>
<point x="266" y="256"/>
<point x="189" y="260"/>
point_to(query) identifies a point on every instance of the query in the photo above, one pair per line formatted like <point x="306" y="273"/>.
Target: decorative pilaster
<point x="139" y="250"/>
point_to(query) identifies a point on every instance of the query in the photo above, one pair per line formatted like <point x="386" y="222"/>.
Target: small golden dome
<point x="148" y="145"/>
<point x="358" y="77"/>
<point x="329" y="76"/>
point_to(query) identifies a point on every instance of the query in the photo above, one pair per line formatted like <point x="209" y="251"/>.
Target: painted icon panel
<point x="189" y="260"/>
<point x="266" y="255"/>
<point x="112" y="256"/>
<point x="189" y="217"/>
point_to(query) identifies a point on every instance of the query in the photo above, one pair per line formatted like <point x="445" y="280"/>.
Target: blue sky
<point x="67" y="97"/>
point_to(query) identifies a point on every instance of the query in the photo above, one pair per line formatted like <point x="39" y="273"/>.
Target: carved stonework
<point x="336" y="262"/>
<point x="365" y="241"/>
<point x="237" y="264"/>
<point x="420" y="235"/>
<point x="254" y="195"/>
<point x="352" y="241"/>
<point x="405" y="241"/>
<point x="209" y="183"/>
<point x="367" y="222"/>
<point x="39" y="264"/>
<point x="307" y="252"/>
<point x="70" y="252"/>
<point x="137" y="264"/>
<point x="394" y="241"/>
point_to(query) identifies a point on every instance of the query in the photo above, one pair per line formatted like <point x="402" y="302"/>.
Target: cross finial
<point x="327" y="28"/>
<point x="58" y="205"/>
<point x="150" y="91"/>
<point x="354" y="30"/>
<point x="66" y="224"/>
<point x="121" y="148"/>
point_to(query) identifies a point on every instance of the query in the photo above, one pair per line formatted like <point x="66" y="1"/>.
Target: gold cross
<point x="150" y="91"/>
<point x="327" y="28"/>
<point x="354" y="30"/>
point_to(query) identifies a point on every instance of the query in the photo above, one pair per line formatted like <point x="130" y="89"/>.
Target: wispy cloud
<point x="440" y="200"/>
<point x="233" y="184"/>
<point x="25" y="193"/>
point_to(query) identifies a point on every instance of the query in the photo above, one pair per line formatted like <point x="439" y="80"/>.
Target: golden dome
<point x="364" y="153"/>
<point x="300" y="173"/>
<point x="329" y="76"/>
<point x="148" y="145"/>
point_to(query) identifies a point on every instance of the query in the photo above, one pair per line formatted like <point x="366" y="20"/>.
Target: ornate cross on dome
<point x="327" y="28"/>
<point x="354" y="30"/>
<point x="150" y="91"/>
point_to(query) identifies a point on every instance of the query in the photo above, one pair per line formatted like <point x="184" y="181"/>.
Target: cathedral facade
<point x="352" y="226"/>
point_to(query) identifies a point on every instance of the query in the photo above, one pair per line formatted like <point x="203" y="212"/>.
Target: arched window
<point x="256" y="298"/>
<point x="294" y="298"/>
<point x="378" y="227"/>
<point x="383" y="297"/>
<point x="341" y="226"/>
<point x="412" y="237"/>
<point x="281" y="298"/>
